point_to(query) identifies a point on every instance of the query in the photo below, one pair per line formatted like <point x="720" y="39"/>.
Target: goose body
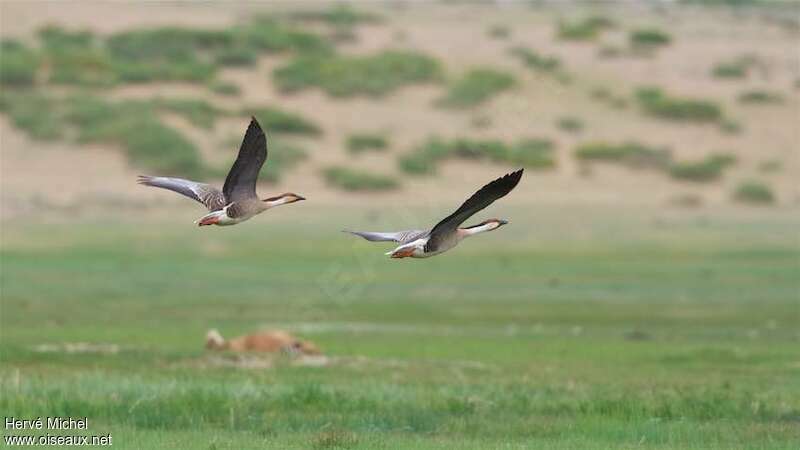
<point x="448" y="233"/>
<point x="237" y="201"/>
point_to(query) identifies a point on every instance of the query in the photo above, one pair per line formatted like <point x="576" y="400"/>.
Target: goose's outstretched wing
<point x="241" y="181"/>
<point x="401" y="237"/>
<point x="479" y="200"/>
<point x="211" y="197"/>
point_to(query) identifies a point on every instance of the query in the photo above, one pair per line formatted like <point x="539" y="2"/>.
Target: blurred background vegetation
<point x="162" y="94"/>
<point x="645" y="292"/>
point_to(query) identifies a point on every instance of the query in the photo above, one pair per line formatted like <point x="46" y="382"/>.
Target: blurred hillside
<point x="658" y="104"/>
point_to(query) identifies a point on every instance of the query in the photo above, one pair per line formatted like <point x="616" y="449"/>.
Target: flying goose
<point x="237" y="201"/>
<point x="447" y="234"/>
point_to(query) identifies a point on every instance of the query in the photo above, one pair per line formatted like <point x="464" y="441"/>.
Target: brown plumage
<point x="237" y="201"/>
<point x="448" y="232"/>
<point x="272" y="341"/>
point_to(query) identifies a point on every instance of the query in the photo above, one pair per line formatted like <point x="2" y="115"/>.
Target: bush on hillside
<point x="585" y="29"/>
<point x="19" y="64"/>
<point x="708" y="169"/>
<point x="346" y="76"/>
<point x="363" y="142"/>
<point x="531" y="153"/>
<point x="657" y="103"/>
<point x="649" y="37"/>
<point x="475" y="87"/>
<point x="354" y="180"/>
<point x="754" y="192"/>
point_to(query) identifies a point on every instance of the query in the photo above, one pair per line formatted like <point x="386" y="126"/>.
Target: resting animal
<point x="262" y="341"/>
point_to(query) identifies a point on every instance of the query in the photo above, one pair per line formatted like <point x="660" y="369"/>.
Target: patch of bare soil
<point x="78" y="347"/>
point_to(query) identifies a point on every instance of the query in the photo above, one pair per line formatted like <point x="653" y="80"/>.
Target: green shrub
<point x="536" y="61"/>
<point x="33" y="113"/>
<point x="499" y="32"/>
<point x="354" y="180"/>
<point x="584" y="29"/>
<point x="179" y="69"/>
<point x="184" y="54"/>
<point x="278" y="121"/>
<point x="709" y="169"/>
<point x="224" y="88"/>
<point x="157" y="54"/>
<point x="729" y="70"/>
<point x="134" y="126"/>
<point x="649" y="37"/>
<point x="153" y="145"/>
<point x="417" y="163"/>
<point x="531" y="153"/>
<point x="362" y="142"/>
<point x="166" y="42"/>
<point x="81" y="66"/>
<point x="730" y="126"/>
<point x="476" y="87"/>
<point x="658" y="104"/>
<point x="759" y="96"/>
<point x="52" y="36"/>
<point x="736" y="68"/>
<point x="240" y="55"/>
<point x="628" y="153"/>
<point x="199" y="112"/>
<point x="18" y="64"/>
<point x="167" y="53"/>
<point x="570" y="124"/>
<point x="753" y="192"/>
<point x="76" y="57"/>
<point x="269" y="35"/>
<point x="345" y="76"/>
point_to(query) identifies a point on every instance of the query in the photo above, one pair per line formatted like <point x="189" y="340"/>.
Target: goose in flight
<point x="237" y="201"/>
<point x="447" y="233"/>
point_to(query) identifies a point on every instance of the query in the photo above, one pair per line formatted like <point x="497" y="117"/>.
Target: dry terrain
<point x="39" y="175"/>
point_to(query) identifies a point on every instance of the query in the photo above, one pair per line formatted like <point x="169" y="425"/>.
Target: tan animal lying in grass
<point x="262" y="341"/>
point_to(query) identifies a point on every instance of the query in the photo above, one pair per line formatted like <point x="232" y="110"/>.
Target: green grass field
<point x="570" y="330"/>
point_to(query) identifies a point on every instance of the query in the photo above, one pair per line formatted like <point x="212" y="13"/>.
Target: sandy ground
<point x="56" y="178"/>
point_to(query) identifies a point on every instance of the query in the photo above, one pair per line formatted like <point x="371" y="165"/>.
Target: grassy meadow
<point x="666" y="333"/>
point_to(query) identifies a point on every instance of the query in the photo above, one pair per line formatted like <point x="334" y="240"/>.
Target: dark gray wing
<point x="402" y="237"/>
<point x="241" y="181"/>
<point x="208" y="195"/>
<point x="479" y="200"/>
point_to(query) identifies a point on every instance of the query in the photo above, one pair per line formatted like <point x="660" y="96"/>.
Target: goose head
<point x="283" y="199"/>
<point x="491" y="224"/>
